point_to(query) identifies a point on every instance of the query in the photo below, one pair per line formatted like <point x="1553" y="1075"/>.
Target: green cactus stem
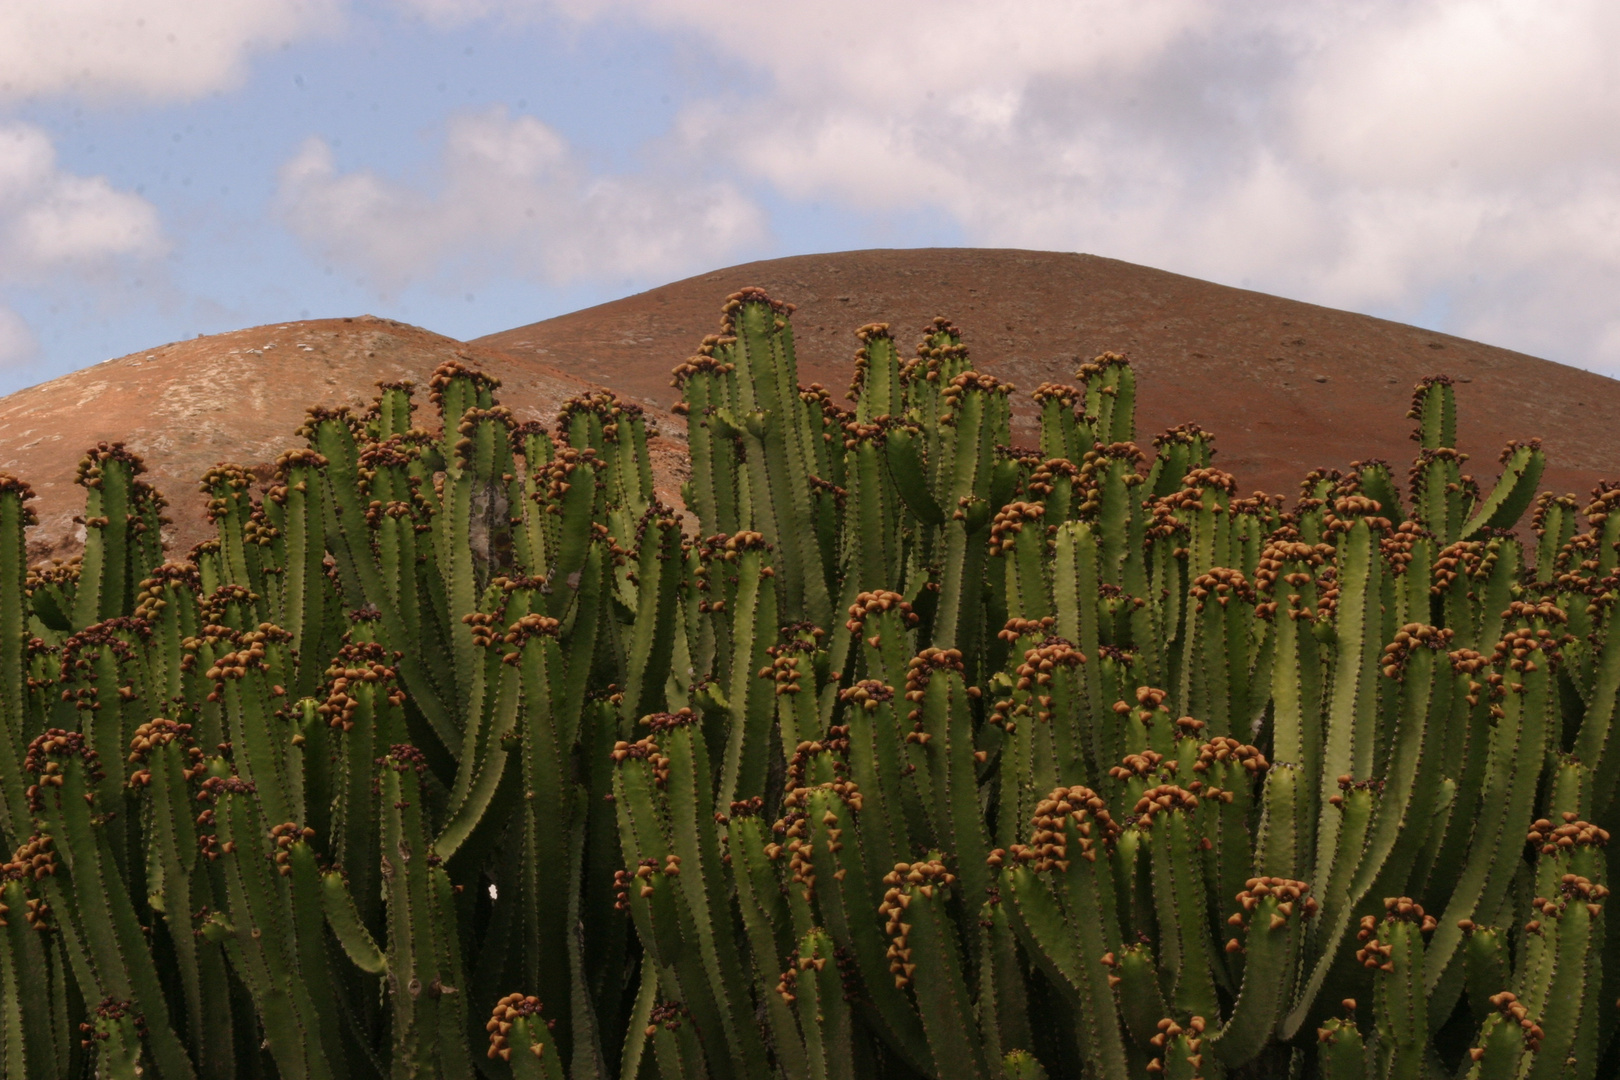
<point x="902" y="749"/>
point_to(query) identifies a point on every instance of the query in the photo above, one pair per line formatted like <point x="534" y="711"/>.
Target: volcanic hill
<point x="240" y="397"/>
<point x="1285" y="386"/>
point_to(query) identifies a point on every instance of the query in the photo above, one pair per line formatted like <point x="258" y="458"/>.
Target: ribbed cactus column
<point x="15" y="517"/>
<point x="924" y="753"/>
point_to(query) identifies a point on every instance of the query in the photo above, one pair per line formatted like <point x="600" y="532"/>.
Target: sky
<point x="170" y="168"/>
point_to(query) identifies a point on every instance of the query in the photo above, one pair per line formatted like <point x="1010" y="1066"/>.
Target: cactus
<point x="905" y="752"/>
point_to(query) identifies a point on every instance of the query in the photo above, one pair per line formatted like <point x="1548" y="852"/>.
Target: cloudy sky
<point x="173" y="167"/>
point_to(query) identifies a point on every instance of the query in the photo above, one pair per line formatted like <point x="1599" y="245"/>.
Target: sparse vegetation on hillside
<point x="924" y="755"/>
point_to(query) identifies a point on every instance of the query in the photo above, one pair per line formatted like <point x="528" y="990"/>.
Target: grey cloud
<point x="512" y="198"/>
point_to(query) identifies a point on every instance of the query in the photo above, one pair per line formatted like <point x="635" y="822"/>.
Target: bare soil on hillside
<point x="1285" y="386"/>
<point x="240" y="397"/>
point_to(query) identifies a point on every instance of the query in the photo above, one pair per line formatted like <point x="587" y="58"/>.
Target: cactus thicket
<point x="925" y="754"/>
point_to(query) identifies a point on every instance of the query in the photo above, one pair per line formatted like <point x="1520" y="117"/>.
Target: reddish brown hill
<point x="1285" y="386"/>
<point x="239" y="397"/>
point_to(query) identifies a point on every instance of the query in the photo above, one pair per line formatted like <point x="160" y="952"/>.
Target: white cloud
<point x="512" y="197"/>
<point x="53" y="221"/>
<point x="57" y="225"/>
<point x="17" y="342"/>
<point x="1376" y="154"/>
<point x="458" y="12"/>
<point x="1507" y="90"/>
<point x="154" y="49"/>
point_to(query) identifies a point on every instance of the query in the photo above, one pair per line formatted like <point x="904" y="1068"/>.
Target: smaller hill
<point x="240" y="397"/>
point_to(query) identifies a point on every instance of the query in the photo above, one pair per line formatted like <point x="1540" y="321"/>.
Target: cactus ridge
<point x="903" y="750"/>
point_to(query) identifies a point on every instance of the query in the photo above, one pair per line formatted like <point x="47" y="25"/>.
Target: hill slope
<point x="1285" y="386"/>
<point x="240" y="397"/>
